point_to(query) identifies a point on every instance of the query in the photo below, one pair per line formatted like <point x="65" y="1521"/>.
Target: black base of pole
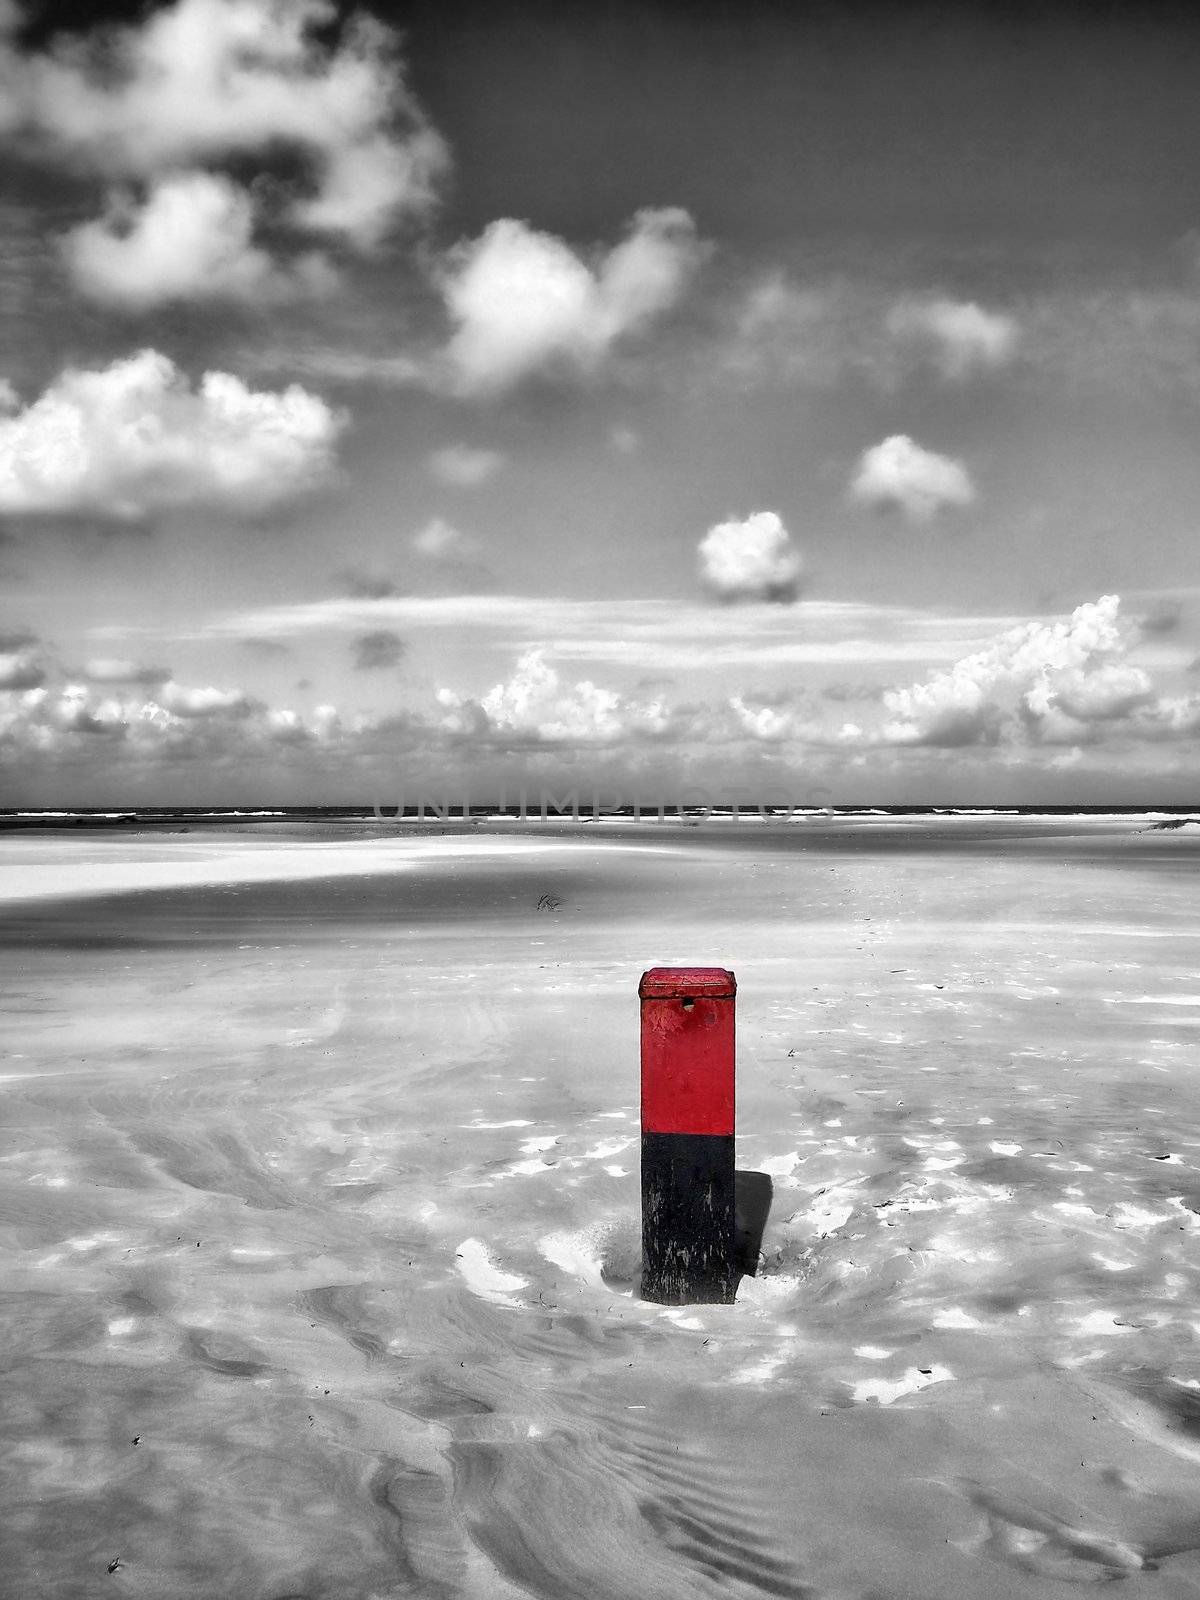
<point x="688" y="1247"/>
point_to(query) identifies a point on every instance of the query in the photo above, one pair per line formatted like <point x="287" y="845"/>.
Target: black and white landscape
<point x="498" y="495"/>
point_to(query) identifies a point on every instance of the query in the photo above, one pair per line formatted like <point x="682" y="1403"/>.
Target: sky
<point x="751" y="402"/>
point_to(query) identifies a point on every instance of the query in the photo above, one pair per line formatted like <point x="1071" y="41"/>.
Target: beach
<point x="320" y="1213"/>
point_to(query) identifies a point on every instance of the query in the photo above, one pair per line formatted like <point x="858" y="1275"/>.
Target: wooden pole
<point x="688" y="1250"/>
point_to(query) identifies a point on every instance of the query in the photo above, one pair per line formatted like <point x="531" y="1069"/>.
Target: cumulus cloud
<point x="525" y="302"/>
<point x="201" y="83"/>
<point x="1169" y="717"/>
<point x="535" y="707"/>
<point x="22" y="664"/>
<point x="189" y="240"/>
<point x="1056" y="682"/>
<point x="763" y="722"/>
<point x="378" y="650"/>
<point x="900" y="475"/>
<point x="182" y="701"/>
<point x="464" y="466"/>
<point x="960" y="337"/>
<point x="174" y="723"/>
<point x="751" y="559"/>
<point x="135" y="438"/>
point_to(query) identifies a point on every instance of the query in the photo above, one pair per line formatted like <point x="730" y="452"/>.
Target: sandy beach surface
<point x="319" y="1215"/>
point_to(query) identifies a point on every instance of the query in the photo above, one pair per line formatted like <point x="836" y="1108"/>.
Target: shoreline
<point x="77" y="863"/>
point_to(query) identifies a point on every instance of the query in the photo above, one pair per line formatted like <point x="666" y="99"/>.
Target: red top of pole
<point x="687" y="1050"/>
<point x="671" y="983"/>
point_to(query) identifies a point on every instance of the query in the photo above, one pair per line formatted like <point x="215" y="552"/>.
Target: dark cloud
<point x="19" y="670"/>
<point x="358" y="584"/>
<point x="24" y="663"/>
<point x="378" y="650"/>
<point x="1162" y="618"/>
<point x="265" y="647"/>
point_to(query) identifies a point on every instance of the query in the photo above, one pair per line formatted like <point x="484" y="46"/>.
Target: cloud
<point x="203" y="83"/>
<point x="645" y="634"/>
<point x="109" y="669"/>
<point x="1169" y="717"/>
<point x="842" y="690"/>
<point x="1054" y="682"/>
<point x="33" y="720"/>
<point x="359" y="584"/>
<point x="753" y="559"/>
<point x="453" y="556"/>
<point x="524" y="302"/>
<point x="1062" y="686"/>
<point x="835" y="330"/>
<point x="463" y="466"/>
<point x="952" y="709"/>
<point x="535" y="706"/>
<point x="766" y="723"/>
<point x="899" y="474"/>
<point x="189" y="240"/>
<point x="440" y="540"/>
<point x="22" y="665"/>
<point x="176" y="723"/>
<point x="960" y="337"/>
<point x="265" y="648"/>
<point x="782" y="333"/>
<point x="1164" y="617"/>
<point x="182" y="701"/>
<point x="134" y="438"/>
<point x="378" y="650"/>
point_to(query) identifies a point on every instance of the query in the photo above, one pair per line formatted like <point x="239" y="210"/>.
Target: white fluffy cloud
<point x="175" y="722"/>
<point x="135" y="438"/>
<point x="533" y="700"/>
<point x="524" y="301"/>
<point x="900" y="475"/>
<point x="464" y="466"/>
<point x="534" y="706"/>
<point x="190" y="240"/>
<point x="182" y="701"/>
<point x="960" y="337"/>
<point x="202" y="81"/>
<point x="1056" y="681"/>
<point x="752" y="559"/>
<point x="763" y="722"/>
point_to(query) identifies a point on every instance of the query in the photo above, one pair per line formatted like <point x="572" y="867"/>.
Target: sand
<point x="319" y="1207"/>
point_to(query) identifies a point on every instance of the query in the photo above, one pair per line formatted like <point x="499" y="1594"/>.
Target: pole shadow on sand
<point x="752" y="1195"/>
